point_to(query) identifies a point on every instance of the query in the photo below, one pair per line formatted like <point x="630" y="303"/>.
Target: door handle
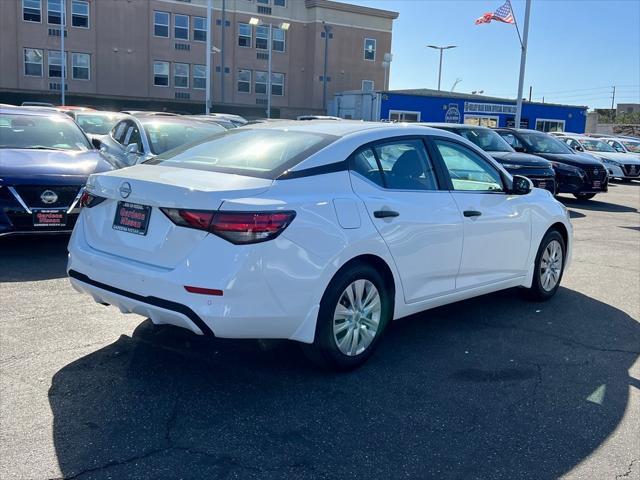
<point x="471" y="213"/>
<point x="385" y="213"/>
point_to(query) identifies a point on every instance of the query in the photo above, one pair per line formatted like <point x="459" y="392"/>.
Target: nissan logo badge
<point x="49" y="197"/>
<point x="125" y="190"/>
<point x="595" y="171"/>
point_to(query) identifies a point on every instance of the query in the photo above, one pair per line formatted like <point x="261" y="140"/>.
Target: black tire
<point x="537" y="291"/>
<point x="584" y="196"/>
<point x="324" y="351"/>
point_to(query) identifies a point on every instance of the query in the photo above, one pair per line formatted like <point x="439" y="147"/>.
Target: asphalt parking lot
<point x="492" y="388"/>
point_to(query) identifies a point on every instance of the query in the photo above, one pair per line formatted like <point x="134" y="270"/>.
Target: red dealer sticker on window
<point x="49" y="218"/>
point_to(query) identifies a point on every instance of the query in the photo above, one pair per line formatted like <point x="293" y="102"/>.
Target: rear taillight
<point x="236" y="227"/>
<point x="88" y="200"/>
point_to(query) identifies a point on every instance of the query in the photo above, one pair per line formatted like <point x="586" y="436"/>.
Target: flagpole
<point x="523" y="62"/>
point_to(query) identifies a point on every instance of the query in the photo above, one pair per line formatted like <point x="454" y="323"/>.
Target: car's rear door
<point x="497" y="225"/>
<point x="418" y="220"/>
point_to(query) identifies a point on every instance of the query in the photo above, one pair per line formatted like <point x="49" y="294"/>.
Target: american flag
<point x="503" y="14"/>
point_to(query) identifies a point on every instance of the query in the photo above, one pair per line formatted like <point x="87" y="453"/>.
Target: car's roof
<point x="453" y="125"/>
<point x="338" y="129"/>
<point x="33" y="111"/>
<point x="160" y="119"/>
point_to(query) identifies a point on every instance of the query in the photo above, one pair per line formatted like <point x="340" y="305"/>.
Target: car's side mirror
<point x="521" y="185"/>
<point x="518" y="148"/>
<point x="132" y="148"/>
<point x="97" y="143"/>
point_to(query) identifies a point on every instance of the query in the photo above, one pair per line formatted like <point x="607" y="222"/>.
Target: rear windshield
<point x="164" y="134"/>
<point x="97" y="124"/>
<point x="39" y="132"/>
<point x="487" y="140"/>
<point x="253" y="152"/>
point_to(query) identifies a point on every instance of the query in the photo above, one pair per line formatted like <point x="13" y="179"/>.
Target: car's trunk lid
<point x="164" y="244"/>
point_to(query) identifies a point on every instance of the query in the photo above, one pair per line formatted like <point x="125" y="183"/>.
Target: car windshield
<point x="631" y="146"/>
<point x="97" y="124"/>
<point x="164" y="134"/>
<point x="39" y="132"/>
<point x="261" y="153"/>
<point x="487" y="140"/>
<point x="594" y="145"/>
<point x="543" y="143"/>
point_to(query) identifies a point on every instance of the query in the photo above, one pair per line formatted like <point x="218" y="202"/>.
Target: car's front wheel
<point x="354" y="313"/>
<point x="584" y="196"/>
<point x="549" y="266"/>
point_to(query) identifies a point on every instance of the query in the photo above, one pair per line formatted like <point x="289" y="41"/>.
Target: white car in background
<point x="319" y="232"/>
<point x="624" y="145"/>
<point x="625" y="166"/>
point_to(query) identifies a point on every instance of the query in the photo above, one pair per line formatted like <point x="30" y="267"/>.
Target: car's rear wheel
<point x="584" y="196"/>
<point x="354" y="313"/>
<point x="549" y="266"/>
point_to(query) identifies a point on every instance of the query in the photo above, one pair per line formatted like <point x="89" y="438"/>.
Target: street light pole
<point x="270" y="50"/>
<point x="440" y="68"/>
<point x="63" y="61"/>
<point x="208" y="61"/>
<point x="523" y="62"/>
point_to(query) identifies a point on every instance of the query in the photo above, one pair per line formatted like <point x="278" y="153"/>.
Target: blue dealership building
<point x="425" y="105"/>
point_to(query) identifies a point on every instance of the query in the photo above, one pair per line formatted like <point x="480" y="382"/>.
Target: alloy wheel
<point x="551" y="265"/>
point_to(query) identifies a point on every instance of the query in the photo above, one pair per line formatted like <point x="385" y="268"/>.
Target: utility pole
<point x="222" y="49"/>
<point x="530" y="90"/>
<point x="523" y="62"/>
<point x="63" y="61"/>
<point x="613" y="99"/>
<point x="269" y="78"/>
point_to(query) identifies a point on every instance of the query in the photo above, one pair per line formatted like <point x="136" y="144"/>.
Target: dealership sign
<point x="473" y="107"/>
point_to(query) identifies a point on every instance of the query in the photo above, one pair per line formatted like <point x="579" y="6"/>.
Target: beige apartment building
<point x="150" y="54"/>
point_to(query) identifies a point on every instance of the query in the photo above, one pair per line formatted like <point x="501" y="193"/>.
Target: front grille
<point x="31" y="195"/>
<point x="632" y="170"/>
<point x="596" y="173"/>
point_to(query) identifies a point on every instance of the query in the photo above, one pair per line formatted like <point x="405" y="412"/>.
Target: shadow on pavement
<point x="494" y="387"/>
<point x="27" y="258"/>
<point x="574" y="214"/>
<point x="596" y="205"/>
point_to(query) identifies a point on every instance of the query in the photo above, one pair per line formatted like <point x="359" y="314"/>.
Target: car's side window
<point x="406" y="165"/>
<point x="118" y="131"/>
<point x="364" y="162"/>
<point x="467" y="169"/>
<point x="133" y="136"/>
<point x="511" y="139"/>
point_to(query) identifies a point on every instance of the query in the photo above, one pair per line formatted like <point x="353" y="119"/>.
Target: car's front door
<point x="497" y="225"/>
<point x="419" y="222"/>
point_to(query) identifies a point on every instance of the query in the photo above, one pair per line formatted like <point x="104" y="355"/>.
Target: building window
<point x="264" y="2"/>
<point x="80" y="66"/>
<point x="200" y="77"/>
<point x="161" y="74"/>
<point x="54" y="61"/>
<point x="181" y="27"/>
<point x="261" y="82"/>
<point x="244" y="81"/>
<point x="367" y="85"/>
<point x="278" y="38"/>
<point x="200" y="29"/>
<point x="31" y="11"/>
<point x="277" y="84"/>
<point x="481" y="120"/>
<point x="403" y="116"/>
<point x="161" y="24"/>
<point x="244" y="35"/>
<point x="181" y="75"/>
<point x="54" y="12"/>
<point x="33" y="62"/>
<point x="370" y="49"/>
<point x="548" y="125"/>
<point x="262" y="37"/>
<point x="280" y="3"/>
<point x="80" y="14"/>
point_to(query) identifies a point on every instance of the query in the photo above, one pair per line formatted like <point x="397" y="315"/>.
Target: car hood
<point x="20" y="166"/>
<point x="517" y="158"/>
<point x="575" y="159"/>
<point x="627" y="158"/>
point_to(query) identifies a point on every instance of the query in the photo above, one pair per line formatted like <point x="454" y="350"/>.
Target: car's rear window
<point x="253" y="152"/>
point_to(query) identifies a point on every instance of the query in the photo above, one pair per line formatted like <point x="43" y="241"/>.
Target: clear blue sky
<point x="578" y="49"/>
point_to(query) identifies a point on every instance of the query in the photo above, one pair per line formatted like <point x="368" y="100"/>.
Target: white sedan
<point x="320" y="232"/>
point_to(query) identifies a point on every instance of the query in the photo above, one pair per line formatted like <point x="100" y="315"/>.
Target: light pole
<point x="283" y="26"/>
<point x="208" y="60"/>
<point x="63" y="61"/>
<point x="386" y="64"/>
<point x="440" y="69"/>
